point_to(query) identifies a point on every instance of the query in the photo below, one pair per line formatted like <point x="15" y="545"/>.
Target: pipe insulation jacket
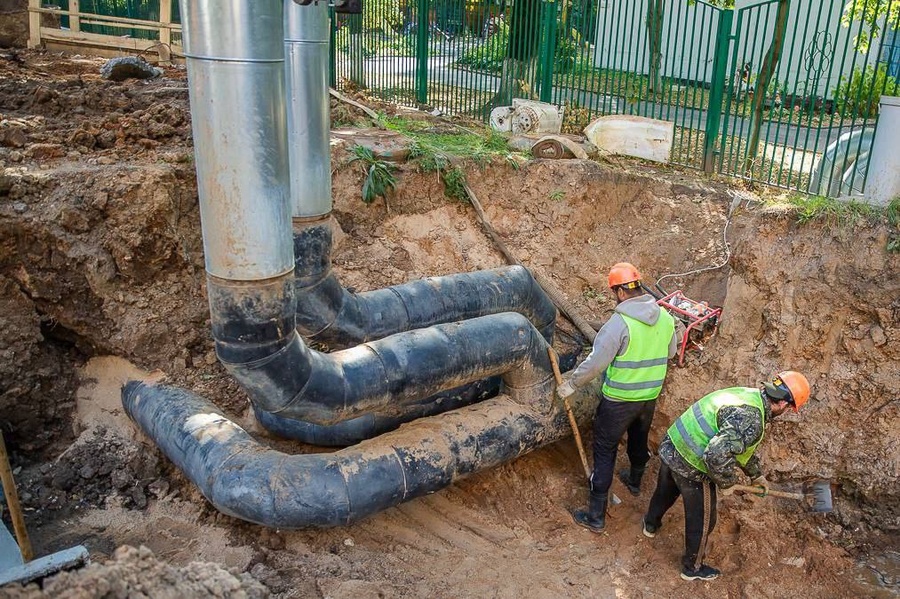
<point x="246" y="480"/>
<point x="328" y="313"/>
<point x="258" y="344"/>
<point x="367" y="426"/>
<point x="235" y="64"/>
<point x="372" y="424"/>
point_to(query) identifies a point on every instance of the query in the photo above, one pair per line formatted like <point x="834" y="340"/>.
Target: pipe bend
<point x="329" y="313"/>
<point x="246" y="480"/>
<point x="387" y="375"/>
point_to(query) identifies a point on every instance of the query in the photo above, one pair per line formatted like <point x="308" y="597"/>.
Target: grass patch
<point x="449" y="140"/>
<point x="846" y="213"/>
<point x="440" y="147"/>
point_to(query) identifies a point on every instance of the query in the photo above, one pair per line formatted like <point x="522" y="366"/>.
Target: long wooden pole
<point x="554" y="361"/>
<point x="12" y="500"/>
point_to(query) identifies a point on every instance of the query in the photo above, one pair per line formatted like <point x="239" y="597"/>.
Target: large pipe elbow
<point x="329" y="313"/>
<point x="387" y="375"/>
<point x="246" y="480"/>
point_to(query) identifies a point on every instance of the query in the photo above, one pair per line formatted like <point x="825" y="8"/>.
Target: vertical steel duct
<point x="306" y="36"/>
<point x="235" y="63"/>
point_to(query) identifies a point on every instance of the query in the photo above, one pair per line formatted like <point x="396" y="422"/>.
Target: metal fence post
<point x="422" y="22"/>
<point x="332" y="52"/>
<point x="717" y="89"/>
<point x="548" y="49"/>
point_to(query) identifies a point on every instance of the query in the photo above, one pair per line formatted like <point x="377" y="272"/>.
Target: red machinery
<point x="699" y="319"/>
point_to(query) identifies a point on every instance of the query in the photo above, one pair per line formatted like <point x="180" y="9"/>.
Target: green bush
<point x="489" y="55"/>
<point x="859" y="95"/>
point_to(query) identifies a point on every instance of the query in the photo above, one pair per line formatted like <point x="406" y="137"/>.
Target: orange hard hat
<point x="791" y="386"/>
<point x="622" y="274"/>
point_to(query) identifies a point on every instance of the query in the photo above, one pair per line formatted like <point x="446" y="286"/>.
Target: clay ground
<point x="101" y="279"/>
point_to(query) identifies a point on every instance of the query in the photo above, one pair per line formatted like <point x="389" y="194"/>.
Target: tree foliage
<point x="382" y="15"/>
<point x="874" y="15"/>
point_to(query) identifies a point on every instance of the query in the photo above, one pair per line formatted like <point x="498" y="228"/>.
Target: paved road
<point x="399" y="72"/>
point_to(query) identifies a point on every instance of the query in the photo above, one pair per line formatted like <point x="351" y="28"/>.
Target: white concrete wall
<point x="689" y="37"/>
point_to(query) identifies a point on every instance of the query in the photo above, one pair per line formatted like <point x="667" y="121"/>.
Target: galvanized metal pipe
<point x="306" y="37"/>
<point x="235" y="62"/>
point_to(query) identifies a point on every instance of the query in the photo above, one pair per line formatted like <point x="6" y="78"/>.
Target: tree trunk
<point x="766" y="72"/>
<point x="655" y="12"/>
<point x="517" y="79"/>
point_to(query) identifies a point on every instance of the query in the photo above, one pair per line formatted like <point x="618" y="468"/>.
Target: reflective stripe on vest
<point x="638" y="374"/>
<point x="692" y="431"/>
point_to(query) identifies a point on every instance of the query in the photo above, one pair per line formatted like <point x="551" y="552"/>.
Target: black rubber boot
<point x="594" y="518"/>
<point x="631" y="478"/>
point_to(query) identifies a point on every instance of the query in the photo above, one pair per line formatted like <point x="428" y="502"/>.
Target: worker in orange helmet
<point x="630" y="353"/>
<point x="702" y="450"/>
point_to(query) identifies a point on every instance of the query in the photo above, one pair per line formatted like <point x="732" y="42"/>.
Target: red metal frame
<point x="696" y="314"/>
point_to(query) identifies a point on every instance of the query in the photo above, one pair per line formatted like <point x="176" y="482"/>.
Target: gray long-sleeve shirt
<point x="612" y="339"/>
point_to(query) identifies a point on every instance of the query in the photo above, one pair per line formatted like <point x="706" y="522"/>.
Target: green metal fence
<point x="779" y="91"/>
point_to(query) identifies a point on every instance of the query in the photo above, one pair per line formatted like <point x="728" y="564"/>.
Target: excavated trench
<point x="100" y="255"/>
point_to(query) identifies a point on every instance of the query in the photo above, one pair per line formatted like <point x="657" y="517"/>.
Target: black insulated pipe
<point x="367" y="426"/>
<point x="257" y="343"/>
<point x="246" y="480"/>
<point x="329" y="313"/>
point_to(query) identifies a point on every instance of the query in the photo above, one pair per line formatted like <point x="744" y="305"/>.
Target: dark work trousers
<point x="699" y="503"/>
<point x="612" y="420"/>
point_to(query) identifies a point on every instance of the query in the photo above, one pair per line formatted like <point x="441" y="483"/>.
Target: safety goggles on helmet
<point x="629" y="285"/>
<point x="778" y="390"/>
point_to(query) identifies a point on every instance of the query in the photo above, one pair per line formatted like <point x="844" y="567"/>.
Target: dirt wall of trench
<point x="107" y="260"/>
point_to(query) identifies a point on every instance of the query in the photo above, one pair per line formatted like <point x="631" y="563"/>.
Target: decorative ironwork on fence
<point x="783" y="92"/>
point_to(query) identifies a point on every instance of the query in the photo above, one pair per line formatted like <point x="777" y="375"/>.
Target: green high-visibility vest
<point x="638" y="374"/>
<point x="692" y="431"/>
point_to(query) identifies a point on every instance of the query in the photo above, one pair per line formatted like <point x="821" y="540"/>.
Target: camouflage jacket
<point x="739" y="428"/>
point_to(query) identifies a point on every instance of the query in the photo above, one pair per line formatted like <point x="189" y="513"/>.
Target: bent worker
<point x="631" y="352"/>
<point x="702" y="449"/>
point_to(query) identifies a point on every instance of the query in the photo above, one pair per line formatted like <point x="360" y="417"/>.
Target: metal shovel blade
<point x="821" y="495"/>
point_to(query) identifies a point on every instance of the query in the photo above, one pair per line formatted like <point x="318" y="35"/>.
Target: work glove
<point x="565" y="390"/>
<point x="760" y="481"/>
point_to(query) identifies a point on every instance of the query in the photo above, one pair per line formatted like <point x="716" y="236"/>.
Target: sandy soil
<point x="101" y="279"/>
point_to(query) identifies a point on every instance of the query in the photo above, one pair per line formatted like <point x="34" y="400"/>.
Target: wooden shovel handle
<point x="554" y="362"/>
<point x="12" y="500"/>
<point x="773" y="493"/>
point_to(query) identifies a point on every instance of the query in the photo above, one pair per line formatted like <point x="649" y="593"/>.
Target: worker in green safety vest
<point x="704" y="448"/>
<point x="631" y="353"/>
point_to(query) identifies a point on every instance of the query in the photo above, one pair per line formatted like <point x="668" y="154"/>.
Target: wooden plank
<point x="105" y="41"/>
<point x="36" y="8"/>
<point x="104" y="23"/>
<point x="74" y="22"/>
<point x="34" y="24"/>
<point x="98" y="50"/>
